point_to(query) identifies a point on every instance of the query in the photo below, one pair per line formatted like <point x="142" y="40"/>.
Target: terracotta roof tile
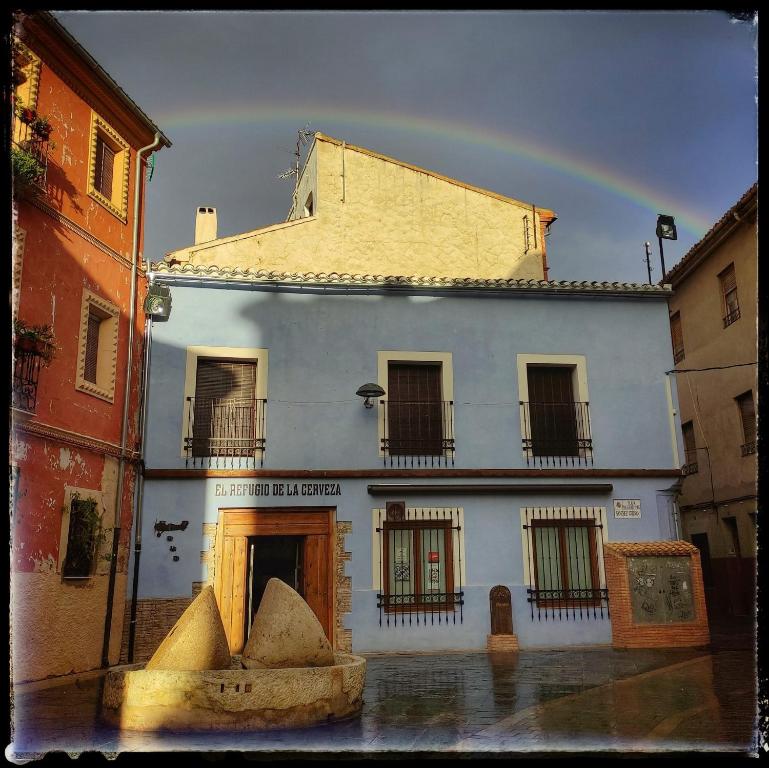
<point x="650" y="548"/>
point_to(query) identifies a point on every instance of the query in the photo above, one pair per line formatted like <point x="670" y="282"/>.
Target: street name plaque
<point x="660" y="589"/>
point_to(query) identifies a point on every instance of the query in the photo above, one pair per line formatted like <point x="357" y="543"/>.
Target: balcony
<point x="26" y="371"/>
<point x="690" y="467"/>
<point x="29" y="154"/>
<point x="731" y="317"/>
<point x="225" y="433"/>
<point x="418" y="433"/>
<point x="556" y="434"/>
<point x="748" y="448"/>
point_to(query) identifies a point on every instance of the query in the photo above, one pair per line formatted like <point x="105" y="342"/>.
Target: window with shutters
<point x="555" y="415"/>
<point x="225" y="406"/>
<point x="97" y="349"/>
<point x="677" y="337"/>
<point x="417" y="410"/>
<point x="690" y="449"/>
<point x="108" y="168"/>
<point x="747" y="411"/>
<point x="731" y="305"/>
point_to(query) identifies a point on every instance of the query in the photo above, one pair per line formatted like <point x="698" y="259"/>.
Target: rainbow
<point x="591" y="172"/>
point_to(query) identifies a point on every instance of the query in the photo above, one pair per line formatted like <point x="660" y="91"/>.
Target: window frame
<point x="417" y="526"/>
<point x="679" y="353"/>
<point x="748" y="446"/>
<point x="384" y="358"/>
<point x="690" y="467"/>
<point x="257" y="355"/>
<point x="99" y="566"/>
<point x="117" y="202"/>
<point x="106" y="366"/>
<point x="730" y="316"/>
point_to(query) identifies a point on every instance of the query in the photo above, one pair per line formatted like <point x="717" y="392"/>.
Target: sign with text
<point x="278" y="489"/>
<point x="627" y="507"/>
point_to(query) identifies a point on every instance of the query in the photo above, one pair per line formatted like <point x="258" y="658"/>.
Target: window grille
<point x="565" y="562"/>
<point x="677" y="336"/>
<point x="556" y="429"/>
<point x="226" y="419"/>
<point x="26" y="373"/>
<point x="748" y="418"/>
<point x="417" y="423"/>
<point x="690" y="449"/>
<point x="729" y="291"/>
<point x="82" y="538"/>
<point x="420" y="561"/>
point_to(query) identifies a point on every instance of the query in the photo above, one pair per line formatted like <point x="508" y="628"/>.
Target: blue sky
<point x="607" y="118"/>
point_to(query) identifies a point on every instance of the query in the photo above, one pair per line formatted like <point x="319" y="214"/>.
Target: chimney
<point x="205" y="225"/>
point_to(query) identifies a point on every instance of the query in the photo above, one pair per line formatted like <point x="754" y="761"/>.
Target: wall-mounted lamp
<point x="666" y="230"/>
<point x="158" y="302"/>
<point x="370" y="392"/>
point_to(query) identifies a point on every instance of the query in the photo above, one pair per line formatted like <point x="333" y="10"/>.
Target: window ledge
<point x="92" y="389"/>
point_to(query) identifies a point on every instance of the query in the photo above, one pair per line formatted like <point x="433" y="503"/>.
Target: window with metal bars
<point x="731" y="304"/>
<point x="418" y="423"/>
<point x="226" y="417"/>
<point x="104" y="168"/>
<point x="565" y="552"/>
<point x="556" y="428"/>
<point x="690" y="449"/>
<point x="82" y="538"/>
<point x="747" y="410"/>
<point x="420" y="561"/>
<point x="677" y="337"/>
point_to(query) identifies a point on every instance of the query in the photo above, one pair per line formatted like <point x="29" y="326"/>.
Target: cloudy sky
<point x="606" y="118"/>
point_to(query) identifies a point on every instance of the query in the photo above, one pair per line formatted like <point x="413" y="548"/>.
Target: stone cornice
<point x="39" y="429"/>
<point x="512" y="285"/>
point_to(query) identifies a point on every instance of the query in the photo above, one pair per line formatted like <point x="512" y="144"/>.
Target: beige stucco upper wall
<point x="377" y="215"/>
<point x="707" y="398"/>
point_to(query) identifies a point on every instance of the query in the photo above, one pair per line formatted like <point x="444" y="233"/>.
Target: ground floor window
<point x="564" y="562"/>
<point x="420" y="565"/>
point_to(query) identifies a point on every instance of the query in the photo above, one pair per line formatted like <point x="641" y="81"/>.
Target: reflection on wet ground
<point x="592" y="699"/>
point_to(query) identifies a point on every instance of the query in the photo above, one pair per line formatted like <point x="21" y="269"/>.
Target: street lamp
<point x="666" y="230"/>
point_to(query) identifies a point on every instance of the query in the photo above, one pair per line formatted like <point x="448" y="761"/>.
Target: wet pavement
<point x="596" y="699"/>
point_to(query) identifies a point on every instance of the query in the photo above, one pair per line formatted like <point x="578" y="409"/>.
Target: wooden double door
<point x="253" y="545"/>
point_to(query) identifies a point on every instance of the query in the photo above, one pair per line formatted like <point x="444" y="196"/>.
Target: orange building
<point x="80" y="148"/>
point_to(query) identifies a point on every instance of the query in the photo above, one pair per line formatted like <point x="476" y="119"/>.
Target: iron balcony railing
<point x="731" y="316"/>
<point x="747" y="448"/>
<point x="418" y="432"/>
<point x="26" y="372"/>
<point x="222" y="432"/>
<point x="556" y="434"/>
<point x="690" y="466"/>
<point x="35" y="147"/>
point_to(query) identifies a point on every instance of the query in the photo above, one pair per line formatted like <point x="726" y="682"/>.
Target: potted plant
<point x="27" y="115"/>
<point x="37" y="339"/>
<point x="27" y="169"/>
<point x="41" y="127"/>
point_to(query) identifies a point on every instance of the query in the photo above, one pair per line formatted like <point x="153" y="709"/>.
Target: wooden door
<point x="231" y="562"/>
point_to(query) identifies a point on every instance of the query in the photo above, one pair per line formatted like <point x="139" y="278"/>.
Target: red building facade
<point x="79" y="147"/>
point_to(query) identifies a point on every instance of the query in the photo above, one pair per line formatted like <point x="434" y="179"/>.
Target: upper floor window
<point x="677" y="336"/>
<point x="97" y="348"/>
<point x="690" y="449"/>
<point x="108" y="163"/>
<point x="731" y="306"/>
<point x="225" y="406"/>
<point x="417" y="416"/>
<point x="748" y="419"/>
<point x="555" y="416"/>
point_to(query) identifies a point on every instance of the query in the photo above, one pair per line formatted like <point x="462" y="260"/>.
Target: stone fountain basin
<point x="234" y="699"/>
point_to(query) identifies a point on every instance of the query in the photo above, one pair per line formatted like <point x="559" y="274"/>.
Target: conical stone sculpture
<point x="197" y="641"/>
<point x="286" y="633"/>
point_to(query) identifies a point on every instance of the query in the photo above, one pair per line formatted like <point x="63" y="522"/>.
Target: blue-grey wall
<point x="323" y="347"/>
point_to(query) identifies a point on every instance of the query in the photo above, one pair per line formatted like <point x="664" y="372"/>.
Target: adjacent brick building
<point x="78" y="221"/>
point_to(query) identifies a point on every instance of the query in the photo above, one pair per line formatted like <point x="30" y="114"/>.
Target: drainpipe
<point x="139" y="505"/>
<point x="126" y="398"/>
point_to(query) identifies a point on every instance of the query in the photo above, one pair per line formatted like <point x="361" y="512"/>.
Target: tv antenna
<point x="302" y="137"/>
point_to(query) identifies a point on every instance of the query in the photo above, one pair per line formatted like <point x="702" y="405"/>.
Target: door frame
<point x="234" y="527"/>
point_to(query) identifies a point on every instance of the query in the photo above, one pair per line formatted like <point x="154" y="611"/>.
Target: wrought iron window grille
<point x="26" y="373"/>
<point x="418" y="433"/>
<point x="565" y="563"/>
<point x="420" y="562"/>
<point x="556" y="434"/>
<point x="731" y="317"/>
<point x="690" y="467"/>
<point x="748" y="448"/>
<point x="225" y="433"/>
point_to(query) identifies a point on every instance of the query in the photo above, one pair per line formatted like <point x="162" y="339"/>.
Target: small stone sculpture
<point x="286" y="633"/>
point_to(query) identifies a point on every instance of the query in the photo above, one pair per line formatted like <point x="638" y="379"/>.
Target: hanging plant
<point x="37" y="339"/>
<point x="41" y="127"/>
<point x="27" y="169"/>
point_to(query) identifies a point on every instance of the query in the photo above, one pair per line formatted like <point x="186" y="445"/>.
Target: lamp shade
<point x="370" y="390"/>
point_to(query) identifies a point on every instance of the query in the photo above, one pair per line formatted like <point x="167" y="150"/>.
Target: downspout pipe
<point x="138" y="194"/>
